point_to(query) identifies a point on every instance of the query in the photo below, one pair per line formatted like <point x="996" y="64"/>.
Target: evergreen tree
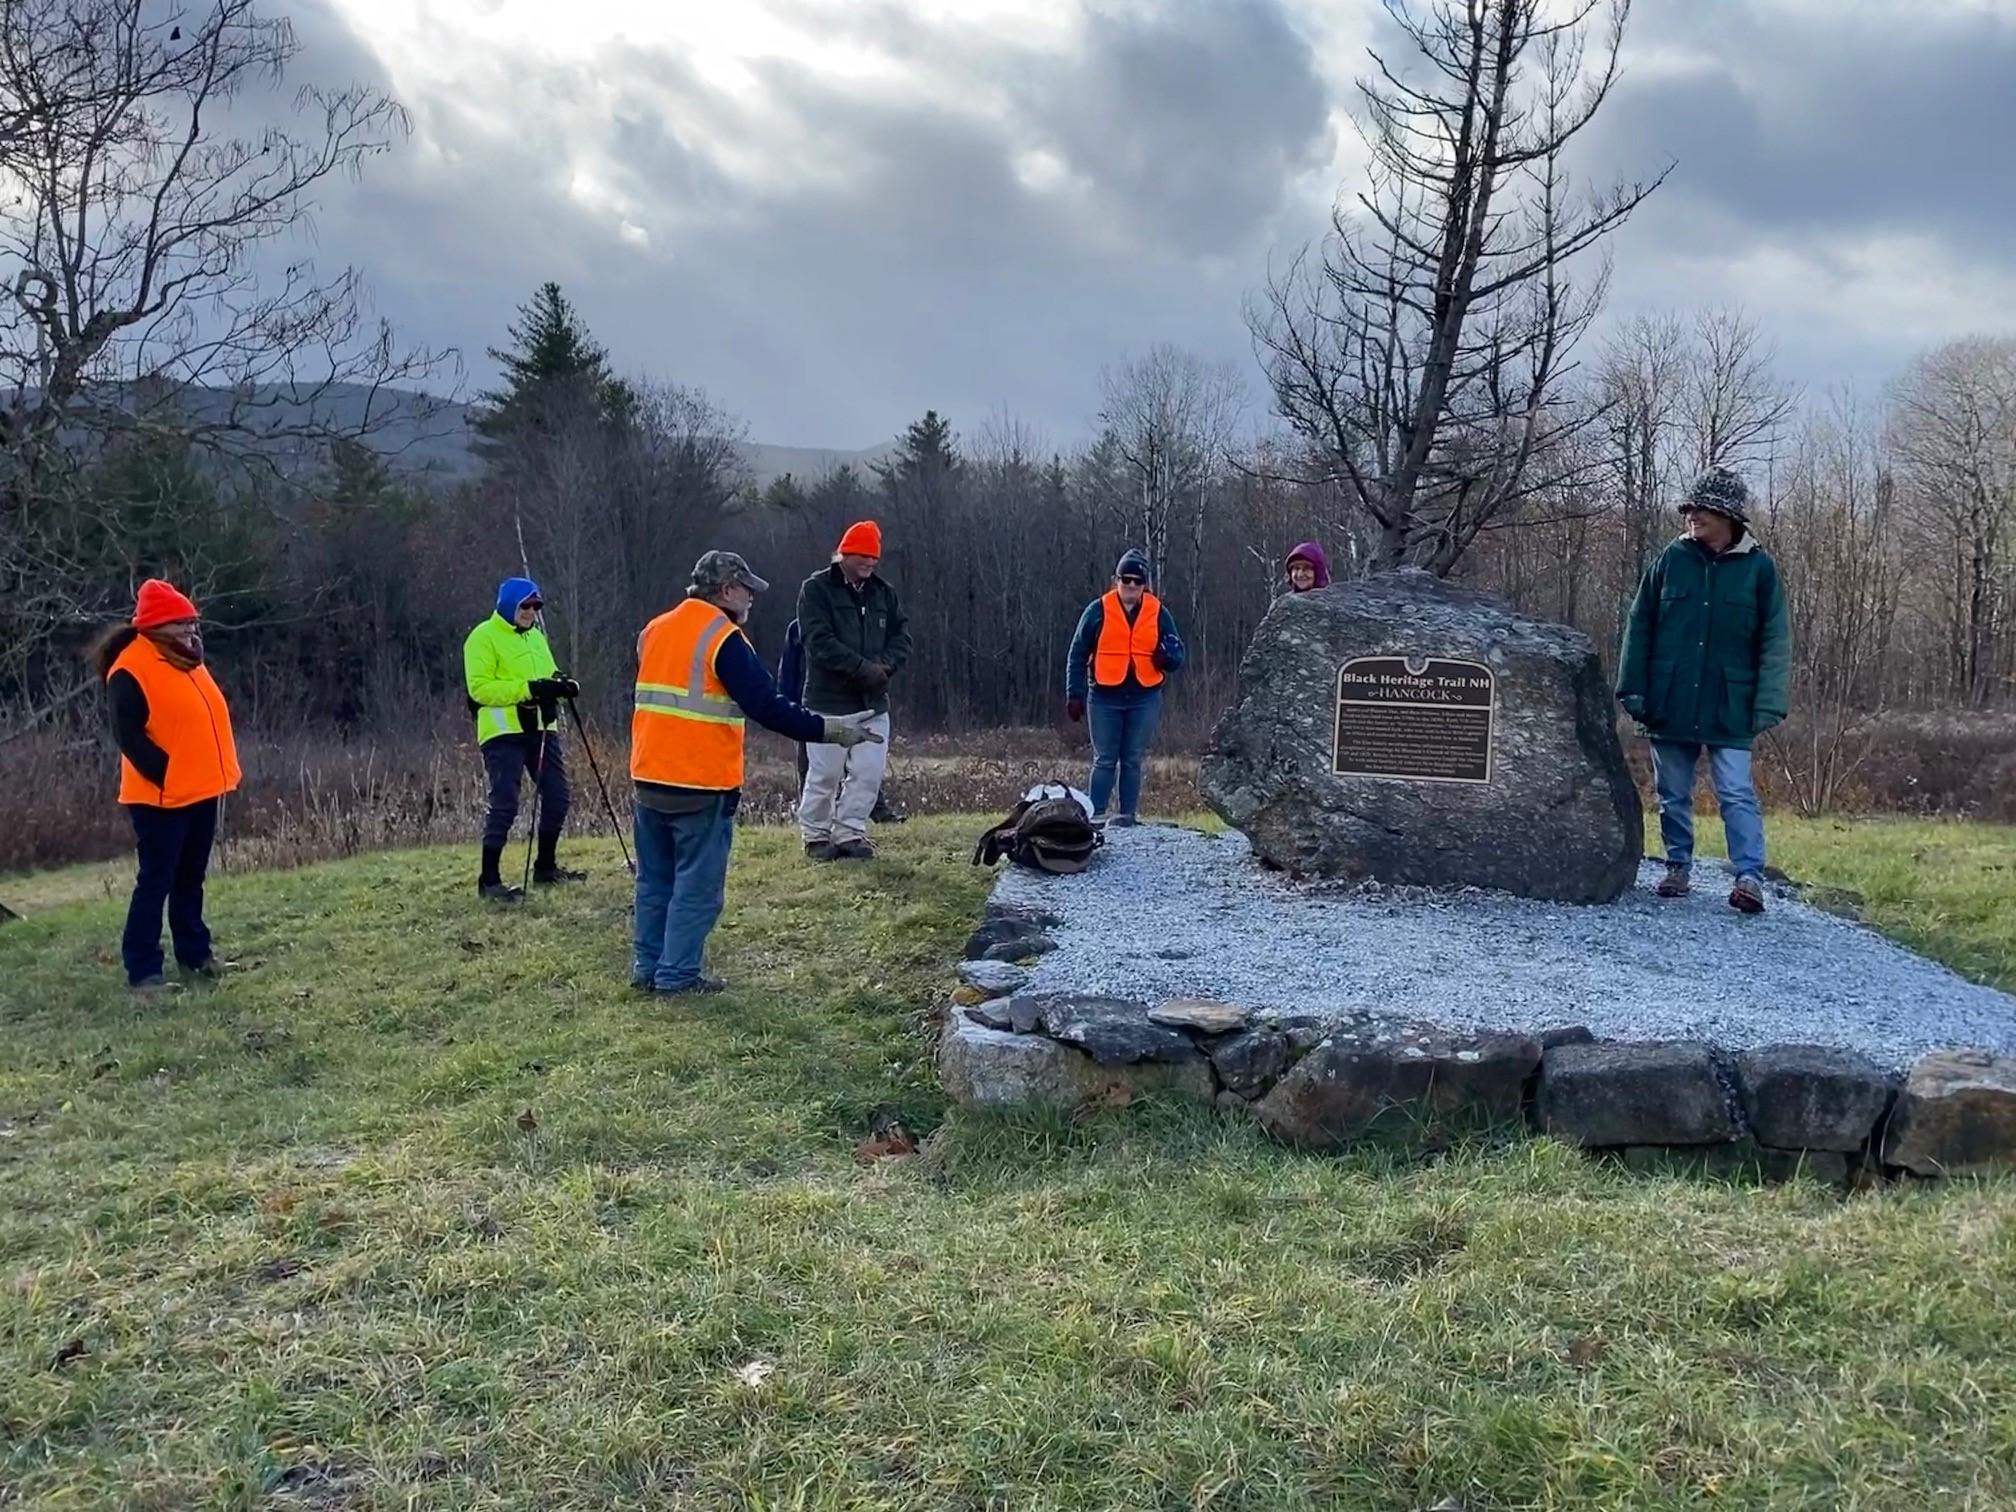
<point x="554" y="372"/>
<point x="927" y="459"/>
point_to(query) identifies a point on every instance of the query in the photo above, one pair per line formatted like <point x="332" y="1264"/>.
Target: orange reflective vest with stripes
<point x="1121" y="643"/>
<point x="685" y="730"/>
<point x="187" y="718"/>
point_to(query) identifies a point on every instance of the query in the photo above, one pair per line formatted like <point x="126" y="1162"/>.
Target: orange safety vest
<point x="685" y="730"/>
<point x="187" y="718"/>
<point x="1120" y="641"/>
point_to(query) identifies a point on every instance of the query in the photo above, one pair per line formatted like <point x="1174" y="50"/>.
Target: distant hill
<point x="430" y="437"/>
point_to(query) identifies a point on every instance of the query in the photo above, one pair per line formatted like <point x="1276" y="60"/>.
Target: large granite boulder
<point x="1505" y="725"/>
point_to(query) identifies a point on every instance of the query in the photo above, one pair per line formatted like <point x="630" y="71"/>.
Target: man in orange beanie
<point x="856" y="639"/>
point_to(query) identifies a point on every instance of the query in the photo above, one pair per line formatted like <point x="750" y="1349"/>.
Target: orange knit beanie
<point x="863" y="538"/>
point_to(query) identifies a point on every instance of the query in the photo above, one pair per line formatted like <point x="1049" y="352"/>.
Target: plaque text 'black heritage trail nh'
<point x="1428" y="721"/>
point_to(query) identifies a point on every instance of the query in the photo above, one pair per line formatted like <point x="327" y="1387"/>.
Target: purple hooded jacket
<point x="1312" y="553"/>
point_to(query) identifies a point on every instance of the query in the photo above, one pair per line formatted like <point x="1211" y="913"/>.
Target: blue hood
<point x="514" y="591"/>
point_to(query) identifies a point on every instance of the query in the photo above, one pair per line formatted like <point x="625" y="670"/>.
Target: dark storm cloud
<point x="994" y="217"/>
<point x="1862" y="119"/>
<point x="900" y="248"/>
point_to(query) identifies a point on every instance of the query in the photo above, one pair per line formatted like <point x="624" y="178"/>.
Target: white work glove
<point x="851" y="729"/>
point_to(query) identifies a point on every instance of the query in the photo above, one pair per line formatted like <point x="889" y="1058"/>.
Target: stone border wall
<point x="1319" y="1082"/>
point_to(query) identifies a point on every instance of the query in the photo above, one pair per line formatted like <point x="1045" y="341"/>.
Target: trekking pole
<point x="594" y="766"/>
<point x="538" y="773"/>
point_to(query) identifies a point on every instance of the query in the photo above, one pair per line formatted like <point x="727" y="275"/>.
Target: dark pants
<point x="1123" y="721"/>
<point x="174" y="847"/>
<point x="682" y="880"/>
<point x="508" y="758"/>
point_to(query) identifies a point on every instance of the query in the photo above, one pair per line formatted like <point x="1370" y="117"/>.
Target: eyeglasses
<point x="1134" y="582"/>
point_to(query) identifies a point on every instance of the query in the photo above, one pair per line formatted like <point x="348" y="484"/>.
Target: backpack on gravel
<point x="1044" y="834"/>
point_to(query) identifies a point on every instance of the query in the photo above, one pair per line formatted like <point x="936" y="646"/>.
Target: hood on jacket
<point x="511" y="596"/>
<point x="1745" y="542"/>
<point x="1312" y="553"/>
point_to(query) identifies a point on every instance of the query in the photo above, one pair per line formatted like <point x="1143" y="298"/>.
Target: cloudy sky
<point x="832" y="214"/>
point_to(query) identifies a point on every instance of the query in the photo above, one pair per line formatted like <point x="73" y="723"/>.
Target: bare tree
<point x="1171" y="415"/>
<point x="1832" y="529"/>
<point x="1643" y="371"/>
<point x="1735" y="405"/>
<point x="147" y="294"/>
<point x="1424" y="358"/>
<point x="1953" y="427"/>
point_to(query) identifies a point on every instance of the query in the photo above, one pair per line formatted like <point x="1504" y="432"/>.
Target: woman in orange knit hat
<point x="177" y="759"/>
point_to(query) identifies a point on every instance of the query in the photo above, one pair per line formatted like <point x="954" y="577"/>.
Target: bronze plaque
<point x="1427" y="720"/>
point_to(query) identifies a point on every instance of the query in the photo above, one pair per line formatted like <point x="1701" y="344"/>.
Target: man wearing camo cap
<point x="697" y="678"/>
<point x="1707" y="665"/>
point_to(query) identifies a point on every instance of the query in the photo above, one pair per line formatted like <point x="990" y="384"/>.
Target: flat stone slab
<point x="1175" y="913"/>
<point x="994" y="978"/>
<point x="1201" y="1014"/>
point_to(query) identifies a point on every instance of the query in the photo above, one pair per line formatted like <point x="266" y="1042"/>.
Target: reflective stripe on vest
<point x="188" y="719"/>
<point x="685" y="732"/>
<point x="1120" y="642"/>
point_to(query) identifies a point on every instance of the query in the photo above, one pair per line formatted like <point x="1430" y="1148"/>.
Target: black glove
<point x="548" y="690"/>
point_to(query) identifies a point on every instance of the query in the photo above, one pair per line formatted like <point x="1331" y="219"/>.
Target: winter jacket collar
<point x="840" y="579"/>
<point x="1743" y="545"/>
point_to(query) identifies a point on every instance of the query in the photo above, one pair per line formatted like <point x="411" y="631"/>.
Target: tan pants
<point x="841" y="785"/>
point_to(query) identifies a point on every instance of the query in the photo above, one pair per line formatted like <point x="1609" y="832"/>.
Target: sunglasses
<point x="1134" y="582"/>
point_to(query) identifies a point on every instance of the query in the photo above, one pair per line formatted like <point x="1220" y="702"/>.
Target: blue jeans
<point x="1673" y="766"/>
<point x="1122" y="723"/>
<point x="682" y="878"/>
<point x="174" y="847"/>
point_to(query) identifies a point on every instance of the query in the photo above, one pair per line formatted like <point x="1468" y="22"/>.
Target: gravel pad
<point x="1169" y="912"/>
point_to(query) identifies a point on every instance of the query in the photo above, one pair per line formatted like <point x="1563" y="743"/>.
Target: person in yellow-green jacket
<point x="515" y="692"/>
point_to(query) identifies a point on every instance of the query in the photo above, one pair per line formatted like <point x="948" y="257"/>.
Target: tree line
<point x="1433" y="390"/>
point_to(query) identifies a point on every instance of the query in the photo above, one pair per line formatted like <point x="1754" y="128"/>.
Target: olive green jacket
<point x="1708" y="650"/>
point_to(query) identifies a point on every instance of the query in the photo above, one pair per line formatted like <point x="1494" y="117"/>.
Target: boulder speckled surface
<point x="1559" y="818"/>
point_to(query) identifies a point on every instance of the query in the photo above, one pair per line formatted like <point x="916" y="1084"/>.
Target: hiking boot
<point x="854" y="850"/>
<point x="1677" y="883"/>
<point x="882" y="813"/>
<point x="700" y="986"/>
<point x="1125" y="821"/>
<point x="549" y="876"/>
<point x="1747" y="896"/>
<point x="149" y="987"/>
<point x="499" y="892"/>
<point x="819" y="850"/>
<point x="209" y="970"/>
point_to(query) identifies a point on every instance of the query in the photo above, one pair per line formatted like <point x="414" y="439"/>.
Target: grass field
<point x="294" y="1241"/>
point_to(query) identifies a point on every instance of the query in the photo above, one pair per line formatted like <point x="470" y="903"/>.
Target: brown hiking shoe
<point x="1677" y="882"/>
<point x="1747" y="896"/>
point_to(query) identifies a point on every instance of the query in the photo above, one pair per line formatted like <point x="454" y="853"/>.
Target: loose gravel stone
<point x="1641" y="968"/>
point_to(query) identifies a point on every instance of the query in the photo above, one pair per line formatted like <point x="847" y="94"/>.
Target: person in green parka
<point x="515" y="691"/>
<point x="1707" y="665"/>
